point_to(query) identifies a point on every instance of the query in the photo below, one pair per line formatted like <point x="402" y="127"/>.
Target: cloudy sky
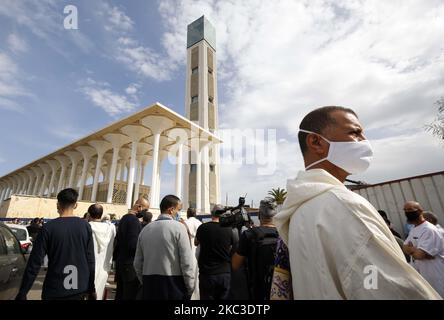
<point x="277" y="60"/>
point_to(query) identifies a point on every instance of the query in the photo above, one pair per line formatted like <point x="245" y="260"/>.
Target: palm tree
<point x="278" y="195"/>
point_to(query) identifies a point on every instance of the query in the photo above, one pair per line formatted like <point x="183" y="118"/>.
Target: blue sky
<point x="277" y="61"/>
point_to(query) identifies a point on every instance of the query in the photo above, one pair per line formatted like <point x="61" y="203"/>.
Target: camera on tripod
<point x="235" y="217"/>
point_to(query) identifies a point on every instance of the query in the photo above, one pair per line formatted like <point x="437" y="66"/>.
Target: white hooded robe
<point x="340" y="247"/>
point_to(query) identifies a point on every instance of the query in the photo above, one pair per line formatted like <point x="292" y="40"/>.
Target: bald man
<point x="425" y="245"/>
<point x="128" y="231"/>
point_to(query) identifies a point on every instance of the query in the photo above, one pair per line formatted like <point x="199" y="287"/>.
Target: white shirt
<point x="427" y="237"/>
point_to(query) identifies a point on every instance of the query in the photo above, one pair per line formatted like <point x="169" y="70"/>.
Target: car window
<point x="19" y="233"/>
<point x="11" y="243"/>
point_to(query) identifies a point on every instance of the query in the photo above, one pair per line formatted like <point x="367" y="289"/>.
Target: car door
<point x="12" y="264"/>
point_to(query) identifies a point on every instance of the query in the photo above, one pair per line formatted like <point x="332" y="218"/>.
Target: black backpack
<point x="261" y="262"/>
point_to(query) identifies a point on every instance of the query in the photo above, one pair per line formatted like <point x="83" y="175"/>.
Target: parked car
<point x="12" y="263"/>
<point x="22" y="234"/>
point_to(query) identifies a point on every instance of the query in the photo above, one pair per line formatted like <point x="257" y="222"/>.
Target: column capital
<point x="37" y="170"/>
<point x="135" y="132"/>
<point x="74" y="156"/>
<point x="125" y="154"/>
<point x="117" y="140"/>
<point x="101" y="146"/>
<point x="157" y="124"/>
<point x="63" y="160"/>
<point x="54" y="165"/>
<point x="45" y="167"/>
<point x="143" y="148"/>
<point x="86" y="151"/>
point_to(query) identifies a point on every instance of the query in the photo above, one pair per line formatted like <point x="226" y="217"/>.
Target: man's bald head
<point x="141" y="204"/>
<point x="95" y="211"/>
<point x="412" y="206"/>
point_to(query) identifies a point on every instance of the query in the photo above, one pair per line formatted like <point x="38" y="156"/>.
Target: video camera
<point x="235" y="217"/>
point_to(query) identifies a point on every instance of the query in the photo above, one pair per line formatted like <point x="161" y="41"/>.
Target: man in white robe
<point x="193" y="223"/>
<point x="339" y="246"/>
<point x="103" y="235"/>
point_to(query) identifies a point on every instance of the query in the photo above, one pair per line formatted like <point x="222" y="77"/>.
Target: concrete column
<point x="122" y="170"/>
<point x="135" y="133"/>
<point x="31" y="179"/>
<point x="64" y="163"/>
<point x="131" y="173"/>
<point x="142" y="158"/>
<point x="101" y="147"/>
<point x="38" y="174"/>
<point x="200" y="147"/>
<point x="117" y="141"/>
<point x="22" y="182"/>
<point x="75" y="158"/>
<point x="138" y="177"/>
<point x="142" y="182"/>
<point x="205" y="179"/>
<point x="46" y="172"/>
<point x="87" y="153"/>
<point x="178" y="188"/>
<point x="54" y="167"/>
<point x="198" y="181"/>
<point x="153" y="196"/>
<point x="3" y="190"/>
<point x="157" y="124"/>
<point x="162" y="155"/>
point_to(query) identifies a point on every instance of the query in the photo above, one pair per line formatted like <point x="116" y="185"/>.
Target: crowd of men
<point x="323" y="243"/>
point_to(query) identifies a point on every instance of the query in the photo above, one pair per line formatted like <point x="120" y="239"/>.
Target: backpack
<point x="261" y="262"/>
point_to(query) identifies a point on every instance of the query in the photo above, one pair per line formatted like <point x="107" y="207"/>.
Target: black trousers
<point x="128" y="284"/>
<point x="215" y="286"/>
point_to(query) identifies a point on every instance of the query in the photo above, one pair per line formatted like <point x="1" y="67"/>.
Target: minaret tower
<point x="201" y="108"/>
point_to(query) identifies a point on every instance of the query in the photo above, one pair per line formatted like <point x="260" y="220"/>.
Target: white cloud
<point x="10" y="88"/>
<point x="145" y="61"/>
<point x="17" y="44"/>
<point x="117" y="20"/>
<point x="132" y="89"/>
<point x="45" y="20"/>
<point x="101" y="95"/>
<point x="280" y="59"/>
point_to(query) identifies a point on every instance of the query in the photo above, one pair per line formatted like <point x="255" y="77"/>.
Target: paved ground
<point x="36" y="292"/>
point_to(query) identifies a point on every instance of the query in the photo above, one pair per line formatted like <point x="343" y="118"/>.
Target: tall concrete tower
<point x="201" y="108"/>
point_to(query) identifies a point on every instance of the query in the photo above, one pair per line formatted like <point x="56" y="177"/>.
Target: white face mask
<point x="351" y="156"/>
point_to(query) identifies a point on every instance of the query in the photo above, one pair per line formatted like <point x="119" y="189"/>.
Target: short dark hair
<point x="95" y="211"/>
<point x="317" y="121"/>
<point x="147" y="217"/>
<point x="169" y="201"/>
<point x="191" y="212"/>
<point x="67" y="198"/>
<point x="217" y="210"/>
<point x="383" y="214"/>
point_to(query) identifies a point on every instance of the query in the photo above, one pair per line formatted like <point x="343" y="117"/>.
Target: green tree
<point x="437" y="126"/>
<point x="278" y="195"/>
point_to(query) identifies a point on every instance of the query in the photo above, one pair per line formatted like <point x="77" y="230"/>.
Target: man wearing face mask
<point x="126" y="241"/>
<point x="336" y="239"/>
<point x="426" y="247"/>
<point x="163" y="261"/>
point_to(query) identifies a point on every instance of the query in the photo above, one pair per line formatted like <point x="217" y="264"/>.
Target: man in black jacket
<point x="68" y="243"/>
<point x="127" y="235"/>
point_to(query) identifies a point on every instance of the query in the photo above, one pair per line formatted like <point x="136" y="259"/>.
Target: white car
<point x="22" y="234"/>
